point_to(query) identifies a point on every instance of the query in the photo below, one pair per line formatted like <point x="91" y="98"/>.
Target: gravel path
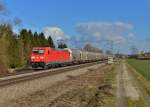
<point x="121" y="95"/>
<point x="129" y="88"/>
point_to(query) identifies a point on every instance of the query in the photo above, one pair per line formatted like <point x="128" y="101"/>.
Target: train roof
<point x="50" y="48"/>
<point x="67" y="49"/>
<point x="41" y="48"/>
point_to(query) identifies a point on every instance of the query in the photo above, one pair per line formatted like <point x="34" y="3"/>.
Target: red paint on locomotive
<point x="42" y="56"/>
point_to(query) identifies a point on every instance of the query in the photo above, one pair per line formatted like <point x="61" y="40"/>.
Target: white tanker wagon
<point x="79" y="55"/>
<point x="110" y="60"/>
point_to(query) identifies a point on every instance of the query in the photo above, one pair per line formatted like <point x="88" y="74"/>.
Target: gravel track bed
<point x="10" y="93"/>
<point x="75" y="91"/>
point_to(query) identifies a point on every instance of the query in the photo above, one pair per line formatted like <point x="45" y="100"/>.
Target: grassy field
<point x="142" y="66"/>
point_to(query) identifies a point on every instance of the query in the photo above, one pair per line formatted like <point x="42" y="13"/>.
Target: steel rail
<point x="14" y="79"/>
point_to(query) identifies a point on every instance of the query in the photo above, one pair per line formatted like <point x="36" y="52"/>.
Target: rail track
<point x="30" y="75"/>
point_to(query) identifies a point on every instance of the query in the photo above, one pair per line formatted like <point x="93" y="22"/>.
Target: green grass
<point x="142" y="66"/>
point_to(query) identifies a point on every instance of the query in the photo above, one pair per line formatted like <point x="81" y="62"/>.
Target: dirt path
<point x="129" y="91"/>
<point x="85" y="90"/>
<point x="121" y="95"/>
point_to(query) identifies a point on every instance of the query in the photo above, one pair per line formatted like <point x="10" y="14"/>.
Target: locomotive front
<point x="38" y="57"/>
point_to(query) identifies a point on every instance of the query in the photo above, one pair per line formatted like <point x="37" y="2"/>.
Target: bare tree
<point x="3" y="9"/>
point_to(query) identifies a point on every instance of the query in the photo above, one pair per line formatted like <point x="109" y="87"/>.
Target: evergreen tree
<point x="65" y="46"/>
<point x="32" y="38"/>
<point x="43" y="40"/>
<point x="36" y="40"/>
<point x="62" y="45"/>
<point x="51" y="43"/>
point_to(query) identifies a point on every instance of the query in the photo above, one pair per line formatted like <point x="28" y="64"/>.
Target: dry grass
<point x="139" y="103"/>
<point x="3" y="68"/>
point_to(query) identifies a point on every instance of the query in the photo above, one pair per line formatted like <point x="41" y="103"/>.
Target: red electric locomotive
<point x="47" y="57"/>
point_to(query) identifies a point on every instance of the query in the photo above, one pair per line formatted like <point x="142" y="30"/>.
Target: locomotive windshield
<point x="38" y="51"/>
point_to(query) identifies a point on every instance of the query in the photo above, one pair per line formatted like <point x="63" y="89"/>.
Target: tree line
<point x="16" y="48"/>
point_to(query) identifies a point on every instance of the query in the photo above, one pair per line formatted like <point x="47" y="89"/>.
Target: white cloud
<point x="108" y="31"/>
<point x="95" y="33"/>
<point x="124" y="25"/>
<point x="131" y="35"/>
<point x="56" y="33"/>
<point x="117" y="39"/>
<point x="131" y="38"/>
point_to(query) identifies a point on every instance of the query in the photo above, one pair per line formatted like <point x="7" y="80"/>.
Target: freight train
<point x="46" y="57"/>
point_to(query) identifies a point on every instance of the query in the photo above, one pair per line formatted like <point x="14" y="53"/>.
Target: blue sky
<point x="70" y="15"/>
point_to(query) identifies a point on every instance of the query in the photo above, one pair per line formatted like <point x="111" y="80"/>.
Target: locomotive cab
<point x="39" y="57"/>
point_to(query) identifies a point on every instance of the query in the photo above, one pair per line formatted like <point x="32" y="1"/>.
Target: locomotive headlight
<point x="41" y="57"/>
<point x="32" y="57"/>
